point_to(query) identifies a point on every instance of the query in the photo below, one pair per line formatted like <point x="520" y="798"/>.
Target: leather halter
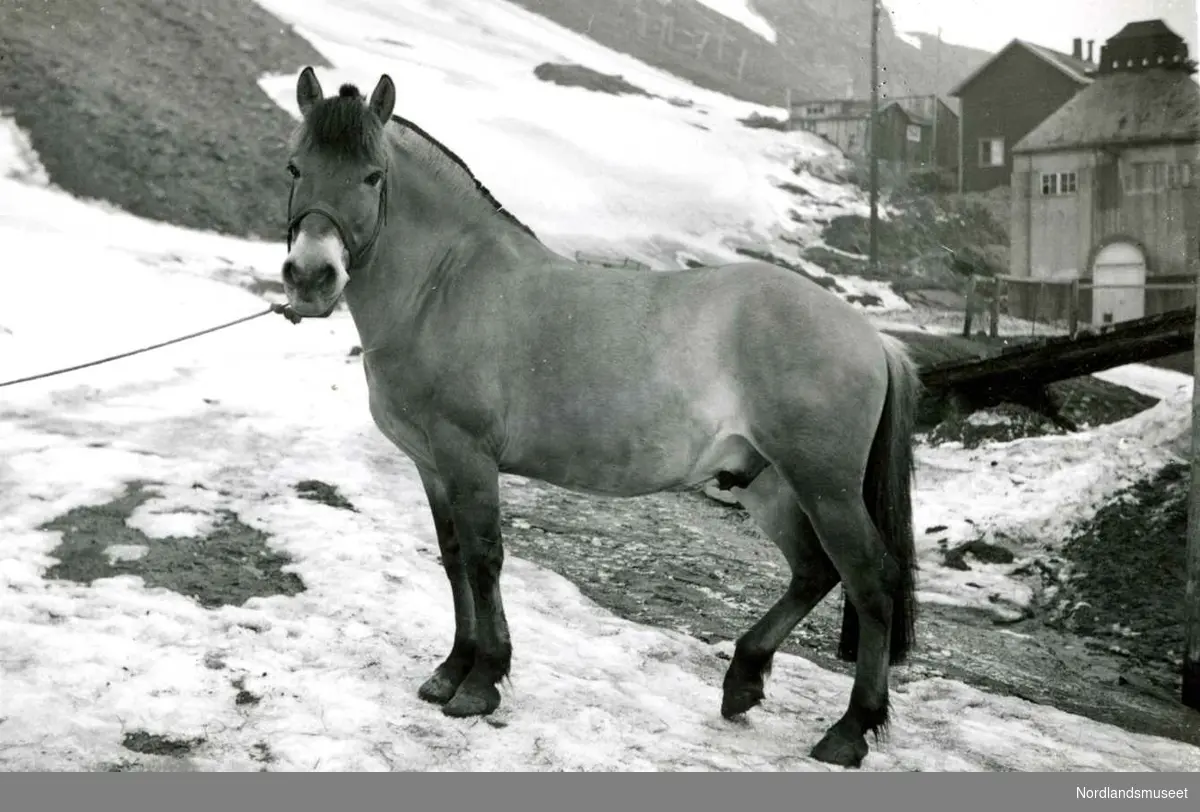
<point x="357" y="253"/>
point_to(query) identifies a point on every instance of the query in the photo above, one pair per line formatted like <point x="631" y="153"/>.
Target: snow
<point x="250" y="411"/>
<point x="909" y="39"/>
<point x="742" y="11"/>
<point x="586" y="170"/>
<point x="1028" y="493"/>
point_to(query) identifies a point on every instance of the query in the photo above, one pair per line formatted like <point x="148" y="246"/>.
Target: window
<point x="991" y="152"/>
<point x="815" y="110"/>
<point x="1137" y="178"/>
<point x="914" y="133"/>
<point x="1059" y="183"/>
<point x="1179" y="175"/>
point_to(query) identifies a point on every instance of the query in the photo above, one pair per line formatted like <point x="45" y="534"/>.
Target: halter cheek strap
<point x="358" y="253"/>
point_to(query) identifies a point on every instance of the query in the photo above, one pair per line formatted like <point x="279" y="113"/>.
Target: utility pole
<point x="873" y="137"/>
<point x="934" y="158"/>
<point x="1191" y="602"/>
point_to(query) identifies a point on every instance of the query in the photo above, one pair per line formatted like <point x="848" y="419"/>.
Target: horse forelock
<point x="344" y="127"/>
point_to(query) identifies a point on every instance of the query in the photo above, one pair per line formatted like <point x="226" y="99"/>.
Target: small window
<point x="1179" y="175"/>
<point x="1059" y="183"/>
<point x="991" y="152"/>
<point x="1137" y="178"/>
<point x="914" y="133"/>
<point x="815" y="110"/>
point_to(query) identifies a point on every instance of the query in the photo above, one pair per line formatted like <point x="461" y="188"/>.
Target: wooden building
<point x="1005" y="98"/>
<point x="1107" y="189"/>
<point x="916" y="132"/>
<point x="841" y="122"/>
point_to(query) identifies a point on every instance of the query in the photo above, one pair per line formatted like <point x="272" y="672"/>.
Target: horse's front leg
<point x="471" y="479"/>
<point x="440" y="687"/>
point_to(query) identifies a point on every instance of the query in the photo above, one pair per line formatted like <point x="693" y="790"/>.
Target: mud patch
<point x="261" y="752"/>
<point x="227" y="567"/>
<point x="1127" y="589"/>
<point x="314" y="490"/>
<point x="152" y="744"/>
<point x="980" y="550"/>
<point x="243" y="696"/>
<point x="1085" y="402"/>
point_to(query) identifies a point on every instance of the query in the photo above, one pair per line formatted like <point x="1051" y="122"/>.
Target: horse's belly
<point x="620" y="451"/>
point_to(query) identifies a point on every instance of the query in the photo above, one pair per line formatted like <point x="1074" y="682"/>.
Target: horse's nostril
<point x="326" y="276"/>
<point x="289" y="272"/>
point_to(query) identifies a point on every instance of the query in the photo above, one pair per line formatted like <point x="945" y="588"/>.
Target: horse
<point x="487" y="353"/>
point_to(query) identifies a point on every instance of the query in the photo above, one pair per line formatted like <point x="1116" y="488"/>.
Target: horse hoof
<point x="738" y="700"/>
<point x="438" y="689"/>
<point x="840" y="751"/>
<point x="473" y="700"/>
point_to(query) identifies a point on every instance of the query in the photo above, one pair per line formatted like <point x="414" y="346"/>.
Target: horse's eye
<point x="293" y="171"/>
<point x="374" y="178"/>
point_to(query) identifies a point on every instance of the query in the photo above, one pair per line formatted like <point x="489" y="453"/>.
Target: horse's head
<point x="338" y="201"/>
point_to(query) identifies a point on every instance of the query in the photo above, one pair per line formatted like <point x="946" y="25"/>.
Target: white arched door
<point x="1118" y="284"/>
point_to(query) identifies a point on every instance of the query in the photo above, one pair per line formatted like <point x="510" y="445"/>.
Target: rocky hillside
<point x="155" y="106"/>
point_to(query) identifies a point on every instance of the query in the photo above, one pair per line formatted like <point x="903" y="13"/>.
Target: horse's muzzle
<point x="322" y="277"/>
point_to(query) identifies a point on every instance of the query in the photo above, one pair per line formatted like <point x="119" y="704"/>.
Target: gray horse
<point x="485" y="353"/>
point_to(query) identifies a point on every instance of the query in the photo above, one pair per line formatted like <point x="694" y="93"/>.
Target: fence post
<point x="994" y="311"/>
<point x="1073" y="312"/>
<point x="1191" y="645"/>
<point x="970" y="306"/>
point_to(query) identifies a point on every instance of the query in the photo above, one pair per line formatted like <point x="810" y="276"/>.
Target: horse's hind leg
<point x="871" y="576"/>
<point x="773" y="505"/>
<point x="440" y="687"/>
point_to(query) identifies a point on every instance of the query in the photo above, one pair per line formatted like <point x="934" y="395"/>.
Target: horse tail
<point x="887" y="491"/>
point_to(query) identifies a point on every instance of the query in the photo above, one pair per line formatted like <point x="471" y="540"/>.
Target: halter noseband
<point x="357" y="253"/>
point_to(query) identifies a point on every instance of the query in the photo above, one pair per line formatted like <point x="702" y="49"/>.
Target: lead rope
<point x="282" y="309"/>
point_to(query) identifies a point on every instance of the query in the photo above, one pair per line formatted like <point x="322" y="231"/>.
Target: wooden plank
<point x="1063" y="358"/>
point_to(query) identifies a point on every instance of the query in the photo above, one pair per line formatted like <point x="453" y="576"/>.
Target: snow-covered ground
<point x="1028" y="493"/>
<point x="250" y="411"/>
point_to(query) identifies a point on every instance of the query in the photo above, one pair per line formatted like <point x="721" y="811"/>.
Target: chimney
<point x="1091" y="43"/>
<point x="1077" y="48"/>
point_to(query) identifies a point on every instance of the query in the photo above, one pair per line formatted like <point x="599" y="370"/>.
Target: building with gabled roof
<point x="1005" y="98"/>
<point x="1107" y="188"/>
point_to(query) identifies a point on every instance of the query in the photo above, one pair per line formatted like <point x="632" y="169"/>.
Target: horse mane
<point x="343" y="126"/>
<point x="454" y="158"/>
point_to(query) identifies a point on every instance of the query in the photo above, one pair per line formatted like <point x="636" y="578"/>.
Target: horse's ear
<point x="308" y="90"/>
<point x="383" y="99"/>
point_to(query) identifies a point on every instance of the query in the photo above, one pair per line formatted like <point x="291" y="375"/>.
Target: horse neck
<point x="420" y="261"/>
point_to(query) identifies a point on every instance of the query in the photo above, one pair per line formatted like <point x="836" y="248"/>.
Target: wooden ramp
<point x="1020" y="374"/>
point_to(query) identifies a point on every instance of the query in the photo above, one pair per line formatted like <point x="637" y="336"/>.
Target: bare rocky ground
<point x="685" y="562"/>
